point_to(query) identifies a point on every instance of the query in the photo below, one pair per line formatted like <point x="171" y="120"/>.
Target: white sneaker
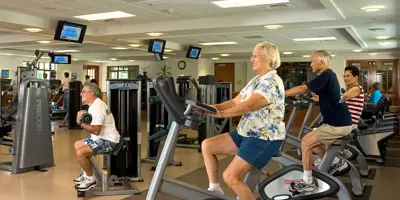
<point x="347" y="154"/>
<point x="317" y="162"/>
<point x="339" y="168"/>
<point x="86" y="184"/>
<point x="216" y="191"/>
<point x="79" y="179"/>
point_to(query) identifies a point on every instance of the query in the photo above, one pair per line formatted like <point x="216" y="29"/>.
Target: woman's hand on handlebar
<point x="218" y="114"/>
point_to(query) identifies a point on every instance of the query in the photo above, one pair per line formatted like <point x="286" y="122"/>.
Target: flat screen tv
<point x="156" y="46"/>
<point x="70" y="32"/>
<point x="60" y="58"/>
<point x="193" y="52"/>
<point x="158" y="56"/>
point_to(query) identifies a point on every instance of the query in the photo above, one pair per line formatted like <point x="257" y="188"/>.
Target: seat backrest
<point x="168" y="96"/>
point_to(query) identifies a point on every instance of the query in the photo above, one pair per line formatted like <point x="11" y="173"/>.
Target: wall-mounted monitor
<point x="158" y="56"/>
<point x="156" y="46"/>
<point x="70" y="32"/>
<point x="60" y="58"/>
<point x="193" y="52"/>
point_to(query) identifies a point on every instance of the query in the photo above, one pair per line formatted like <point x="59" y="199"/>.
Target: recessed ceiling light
<point x="107" y="15"/>
<point x="372" y="54"/>
<point x="119" y="48"/>
<point x="168" y="50"/>
<point x="74" y="59"/>
<point x="306" y="56"/>
<point x="217" y="43"/>
<point x="135" y="45"/>
<point x="165" y="57"/>
<point x="382" y="37"/>
<point x="155" y="34"/>
<point x="66" y="51"/>
<point x="287" y="53"/>
<point x="333" y="55"/>
<point x="225" y="54"/>
<point x="357" y="50"/>
<point x="314" y="39"/>
<point x="33" y="30"/>
<point x="372" y="8"/>
<point x="131" y="60"/>
<point x="273" y="26"/>
<point x="113" y="59"/>
<point x="215" y="58"/>
<point x="6" y="54"/>
<point x="44" y="42"/>
<point x="237" y="3"/>
<point x="377" y="29"/>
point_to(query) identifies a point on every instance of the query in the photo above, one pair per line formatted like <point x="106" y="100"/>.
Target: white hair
<point x="323" y="56"/>
<point x="270" y="52"/>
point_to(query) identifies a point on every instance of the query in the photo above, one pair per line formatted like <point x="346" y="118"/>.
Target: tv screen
<point x="70" y="32"/>
<point x="193" y="52"/>
<point x="60" y="59"/>
<point x="156" y="46"/>
<point x="158" y="56"/>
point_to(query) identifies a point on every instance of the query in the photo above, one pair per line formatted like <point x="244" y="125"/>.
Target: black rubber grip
<point x="206" y="107"/>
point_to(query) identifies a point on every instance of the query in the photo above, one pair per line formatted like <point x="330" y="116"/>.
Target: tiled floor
<point x="57" y="183"/>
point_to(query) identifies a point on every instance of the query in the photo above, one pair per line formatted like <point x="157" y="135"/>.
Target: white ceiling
<point x="190" y="22"/>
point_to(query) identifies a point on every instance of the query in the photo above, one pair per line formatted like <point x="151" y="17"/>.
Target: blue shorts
<point x="255" y="151"/>
<point x="100" y="146"/>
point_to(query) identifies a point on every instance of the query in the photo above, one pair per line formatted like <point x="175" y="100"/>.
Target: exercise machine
<point x="108" y="185"/>
<point x="124" y="101"/>
<point x="157" y="129"/>
<point x="56" y="112"/>
<point x="184" y="113"/>
<point x="31" y="148"/>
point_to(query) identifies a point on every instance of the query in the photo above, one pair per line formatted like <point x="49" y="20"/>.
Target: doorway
<point x="225" y="72"/>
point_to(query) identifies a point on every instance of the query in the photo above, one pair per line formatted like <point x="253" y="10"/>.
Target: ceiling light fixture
<point x="44" y="42"/>
<point x="333" y="55"/>
<point x="314" y="39"/>
<point x="135" y="45"/>
<point x="237" y="3"/>
<point x="119" y="48"/>
<point x="113" y="59"/>
<point x="155" y="34"/>
<point x="383" y="43"/>
<point x="74" y="59"/>
<point x="306" y="56"/>
<point x="6" y="54"/>
<point x="131" y="60"/>
<point x="168" y="50"/>
<point x="287" y="53"/>
<point x="165" y="57"/>
<point x="273" y="26"/>
<point x="225" y="54"/>
<point x="107" y="15"/>
<point x="215" y="58"/>
<point x="382" y="37"/>
<point x="217" y="43"/>
<point x="357" y="50"/>
<point x="66" y="51"/>
<point x="372" y="8"/>
<point x="372" y="54"/>
<point x="33" y="30"/>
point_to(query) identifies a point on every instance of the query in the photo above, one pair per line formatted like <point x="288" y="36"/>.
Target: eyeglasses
<point x="254" y="56"/>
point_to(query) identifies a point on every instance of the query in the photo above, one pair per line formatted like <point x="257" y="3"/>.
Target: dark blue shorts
<point x="100" y="146"/>
<point x="255" y="151"/>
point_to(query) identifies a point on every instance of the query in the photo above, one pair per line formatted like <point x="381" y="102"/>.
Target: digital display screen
<point x="61" y="59"/>
<point x="71" y="32"/>
<point x="193" y="52"/>
<point x="157" y="46"/>
<point x="158" y="56"/>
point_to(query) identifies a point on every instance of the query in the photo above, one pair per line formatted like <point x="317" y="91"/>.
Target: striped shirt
<point x="356" y="106"/>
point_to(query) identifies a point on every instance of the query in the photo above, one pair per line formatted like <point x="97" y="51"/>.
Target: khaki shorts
<point x="329" y="134"/>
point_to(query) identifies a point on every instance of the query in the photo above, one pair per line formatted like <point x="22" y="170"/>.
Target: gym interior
<point x="135" y="49"/>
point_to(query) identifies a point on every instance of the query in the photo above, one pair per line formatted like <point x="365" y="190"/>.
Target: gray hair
<point x="323" y="56"/>
<point x="270" y="52"/>
<point x="94" y="88"/>
<point x="376" y="86"/>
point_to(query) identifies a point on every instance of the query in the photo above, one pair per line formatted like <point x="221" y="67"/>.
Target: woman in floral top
<point x="261" y="129"/>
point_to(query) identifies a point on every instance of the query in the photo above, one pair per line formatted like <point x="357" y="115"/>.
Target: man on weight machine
<point x="104" y="135"/>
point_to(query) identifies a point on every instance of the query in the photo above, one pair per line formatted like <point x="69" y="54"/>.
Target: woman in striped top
<point x="354" y="95"/>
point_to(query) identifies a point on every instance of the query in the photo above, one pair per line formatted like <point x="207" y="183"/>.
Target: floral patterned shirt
<point x="267" y="122"/>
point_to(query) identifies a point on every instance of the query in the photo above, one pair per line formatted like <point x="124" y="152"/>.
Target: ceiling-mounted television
<point x="60" y="58"/>
<point x="70" y="32"/>
<point x="158" y="56"/>
<point x="193" y="52"/>
<point x="156" y="46"/>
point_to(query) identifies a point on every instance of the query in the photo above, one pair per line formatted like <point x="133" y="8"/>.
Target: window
<point x="45" y="68"/>
<point x="296" y="72"/>
<point x="123" y="72"/>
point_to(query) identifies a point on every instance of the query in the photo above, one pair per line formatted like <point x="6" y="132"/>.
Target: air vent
<point x="377" y="29"/>
<point x="278" y="6"/>
<point x="252" y="37"/>
<point x="72" y="47"/>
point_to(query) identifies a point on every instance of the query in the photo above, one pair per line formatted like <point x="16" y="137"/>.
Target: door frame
<point x="233" y="82"/>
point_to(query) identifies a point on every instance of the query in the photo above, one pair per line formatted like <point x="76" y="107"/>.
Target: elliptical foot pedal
<point x="37" y="168"/>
